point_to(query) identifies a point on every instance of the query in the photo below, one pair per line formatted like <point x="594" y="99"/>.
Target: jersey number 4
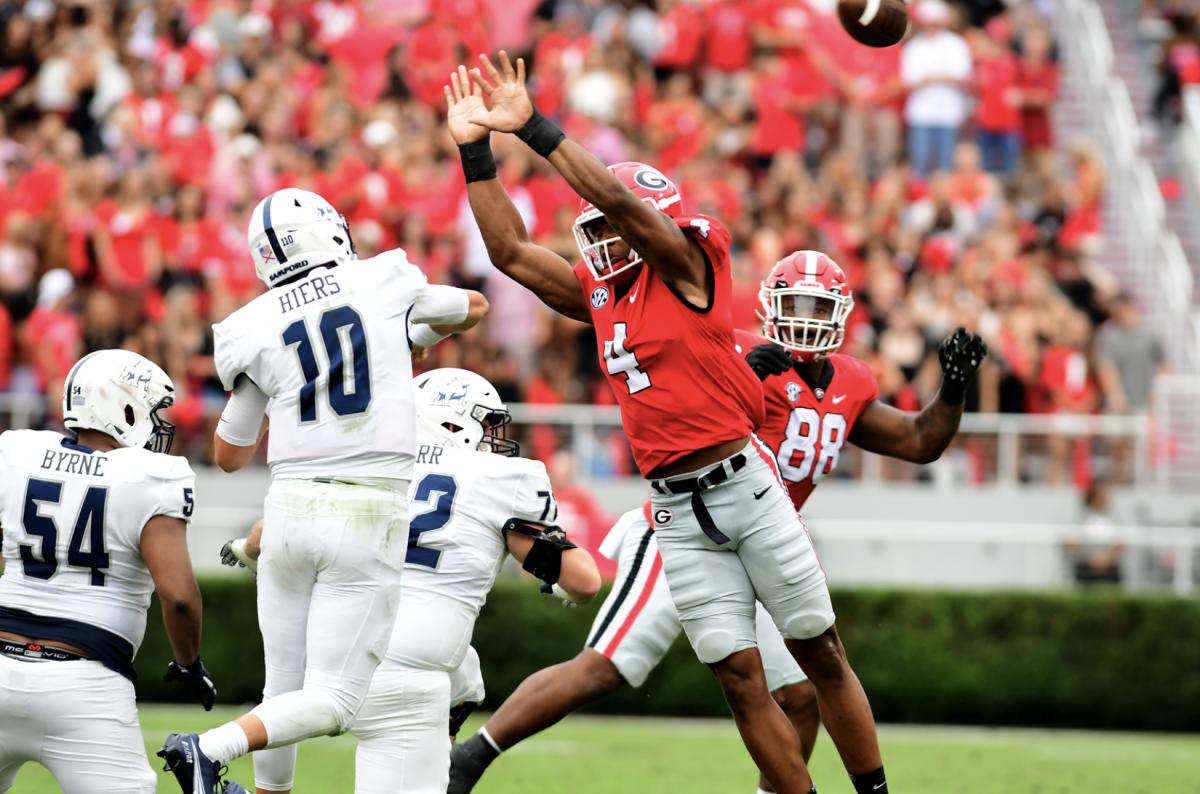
<point x="40" y="559"/>
<point x="618" y="360"/>
<point x="798" y="457"/>
<point x="349" y="388"/>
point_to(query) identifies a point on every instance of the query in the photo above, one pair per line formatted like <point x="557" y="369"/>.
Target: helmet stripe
<point x="272" y="238"/>
<point x="71" y="375"/>
<point x="810" y="264"/>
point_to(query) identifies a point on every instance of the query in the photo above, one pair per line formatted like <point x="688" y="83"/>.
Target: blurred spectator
<point x="997" y="119"/>
<point x="935" y="65"/>
<point x="1096" y="554"/>
<point x="1129" y="357"/>
<point x="1180" y="65"/>
<point x="1037" y="86"/>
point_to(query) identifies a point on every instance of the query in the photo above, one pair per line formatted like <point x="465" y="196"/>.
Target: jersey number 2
<point x="89" y="523"/>
<point x="619" y="360"/>
<point x="347" y="395"/>
<point x="804" y="430"/>
<point x="438" y="490"/>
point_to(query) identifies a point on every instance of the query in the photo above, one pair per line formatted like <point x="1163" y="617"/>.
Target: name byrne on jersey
<point x="309" y="291"/>
<point x="74" y="463"/>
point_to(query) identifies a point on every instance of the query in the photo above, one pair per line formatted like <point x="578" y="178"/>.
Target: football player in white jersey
<point x="325" y="354"/>
<point x="473" y="503"/>
<point x="93" y="522"/>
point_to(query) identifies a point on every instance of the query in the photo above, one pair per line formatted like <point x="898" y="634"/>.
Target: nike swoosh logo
<point x="878" y="786"/>
<point x="838" y="399"/>
<point x="633" y="295"/>
<point x="762" y="493"/>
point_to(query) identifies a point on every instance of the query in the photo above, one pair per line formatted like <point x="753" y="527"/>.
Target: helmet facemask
<point x="809" y="321"/>
<point x="495" y="422"/>
<point x="594" y="245"/>
<point x="163" y="433"/>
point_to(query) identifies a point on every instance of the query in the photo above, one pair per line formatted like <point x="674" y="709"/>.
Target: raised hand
<point x="464" y="100"/>
<point x="510" y="106"/>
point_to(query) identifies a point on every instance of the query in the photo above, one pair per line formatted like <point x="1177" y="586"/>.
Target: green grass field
<point x="590" y="755"/>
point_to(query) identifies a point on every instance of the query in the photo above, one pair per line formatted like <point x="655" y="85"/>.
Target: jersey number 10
<point x="347" y="396"/>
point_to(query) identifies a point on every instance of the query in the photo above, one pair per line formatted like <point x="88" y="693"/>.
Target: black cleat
<point x="196" y="772"/>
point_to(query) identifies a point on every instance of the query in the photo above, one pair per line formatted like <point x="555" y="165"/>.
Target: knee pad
<point x="806" y="625"/>
<point x="713" y="645"/>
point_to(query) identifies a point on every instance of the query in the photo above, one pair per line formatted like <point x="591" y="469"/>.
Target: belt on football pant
<point x="35" y="650"/>
<point x="698" y="485"/>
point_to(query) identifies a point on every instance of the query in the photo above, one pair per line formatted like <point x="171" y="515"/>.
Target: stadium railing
<point x="1157" y="270"/>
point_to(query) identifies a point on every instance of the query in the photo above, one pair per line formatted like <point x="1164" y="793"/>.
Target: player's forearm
<point x="580" y="577"/>
<point x="935" y="427"/>
<point x="183" y="615"/>
<point x="499" y="221"/>
<point x="477" y="307"/>
<point x="590" y="179"/>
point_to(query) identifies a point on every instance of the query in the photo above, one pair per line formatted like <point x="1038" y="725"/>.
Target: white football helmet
<point x="457" y="408"/>
<point x="119" y="393"/>
<point x="292" y="231"/>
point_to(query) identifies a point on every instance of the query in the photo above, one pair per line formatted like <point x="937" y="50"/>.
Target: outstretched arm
<point x="924" y="436"/>
<point x="538" y="269"/>
<point x="648" y="231"/>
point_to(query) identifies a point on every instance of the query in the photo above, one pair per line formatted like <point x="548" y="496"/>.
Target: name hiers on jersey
<point x="807" y="424"/>
<point x="672" y="366"/>
<point x="459" y="502"/>
<point x="327" y="350"/>
<point x="73" y="519"/>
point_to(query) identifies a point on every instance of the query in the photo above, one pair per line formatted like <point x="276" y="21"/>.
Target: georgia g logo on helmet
<point x="651" y="179"/>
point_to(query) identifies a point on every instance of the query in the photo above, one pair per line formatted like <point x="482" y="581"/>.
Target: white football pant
<point x="77" y="719"/>
<point x="328" y="585"/>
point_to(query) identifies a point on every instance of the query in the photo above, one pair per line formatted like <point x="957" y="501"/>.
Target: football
<point x="875" y="23"/>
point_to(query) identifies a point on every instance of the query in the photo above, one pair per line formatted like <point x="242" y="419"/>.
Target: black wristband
<point x="953" y="392"/>
<point x="541" y="134"/>
<point x="478" y="164"/>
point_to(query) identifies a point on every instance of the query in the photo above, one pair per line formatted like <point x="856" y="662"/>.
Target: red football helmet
<point x="805" y="302"/>
<point x="648" y="184"/>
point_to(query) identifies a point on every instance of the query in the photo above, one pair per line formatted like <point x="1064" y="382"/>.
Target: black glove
<point x="228" y="557"/>
<point x="196" y="678"/>
<point x="769" y="359"/>
<point x="960" y="355"/>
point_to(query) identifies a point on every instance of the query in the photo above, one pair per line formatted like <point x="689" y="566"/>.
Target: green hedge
<point x="1094" y="659"/>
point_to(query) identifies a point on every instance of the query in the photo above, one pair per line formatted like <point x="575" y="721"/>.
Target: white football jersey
<point x="73" y="520"/>
<point x="459" y="502"/>
<point x="332" y="354"/>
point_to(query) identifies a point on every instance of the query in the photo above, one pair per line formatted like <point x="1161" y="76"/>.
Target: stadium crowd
<point x="136" y="137"/>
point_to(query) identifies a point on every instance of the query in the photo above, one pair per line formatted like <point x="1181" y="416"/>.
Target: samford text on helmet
<point x="457" y="408"/>
<point x="292" y="231"/>
<point x="805" y="301"/>
<point x="119" y="393"/>
<point x="650" y="186"/>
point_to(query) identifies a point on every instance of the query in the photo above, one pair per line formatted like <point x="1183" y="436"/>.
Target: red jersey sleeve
<point x="712" y="237"/>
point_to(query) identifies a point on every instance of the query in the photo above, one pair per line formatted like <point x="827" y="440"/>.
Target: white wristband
<point x="424" y="336"/>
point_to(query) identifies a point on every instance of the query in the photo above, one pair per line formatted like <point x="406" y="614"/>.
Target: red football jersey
<point x="674" y="369"/>
<point x="806" y="424"/>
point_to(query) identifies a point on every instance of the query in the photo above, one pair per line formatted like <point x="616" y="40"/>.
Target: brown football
<point x="876" y="23"/>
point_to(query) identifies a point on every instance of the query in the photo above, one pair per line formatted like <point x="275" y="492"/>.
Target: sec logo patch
<point x="599" y="297"/>
<point x="662" y="517"/>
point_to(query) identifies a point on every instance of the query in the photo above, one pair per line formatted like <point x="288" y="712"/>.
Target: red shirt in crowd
<point x="681" y="31"/>
<point x="997" y="77"/>
<point x="728" y="44"/>
<point x="52" y="342"/>
<point x="1036" y="131"/>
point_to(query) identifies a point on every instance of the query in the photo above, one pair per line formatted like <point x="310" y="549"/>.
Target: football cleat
<point x="196" y="772"/>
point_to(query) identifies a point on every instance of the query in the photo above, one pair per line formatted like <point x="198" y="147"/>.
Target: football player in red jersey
<point x="656" y="285"/>
<point x="816" y="400"/>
